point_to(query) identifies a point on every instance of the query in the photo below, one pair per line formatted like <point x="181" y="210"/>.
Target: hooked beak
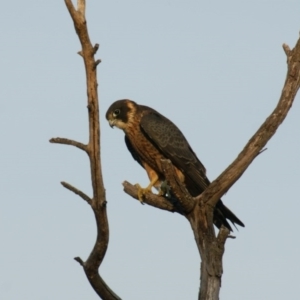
<point x="111" y="123"/>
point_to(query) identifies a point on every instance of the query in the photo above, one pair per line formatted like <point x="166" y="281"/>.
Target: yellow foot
<point x="142" y="192"/>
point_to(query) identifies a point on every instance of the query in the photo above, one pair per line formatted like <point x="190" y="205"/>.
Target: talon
<point x="142" y="192"/>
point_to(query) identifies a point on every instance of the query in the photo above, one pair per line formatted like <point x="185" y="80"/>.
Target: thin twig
<point x="286" y="49"/>
<point x="97" y="62"/>
<point x="77" y="192"/>
<point x="96" y="47"/>
<point x="261" y="151"/>
<point x="79" y="260"/>
<point x="69" y="142"/>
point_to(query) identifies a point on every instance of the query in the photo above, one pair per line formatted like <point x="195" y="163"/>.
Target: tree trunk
<point x="211" y="250"/>
<point x="198" y="210"/>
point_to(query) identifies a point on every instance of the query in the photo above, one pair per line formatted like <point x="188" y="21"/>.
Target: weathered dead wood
<point x="211" y="247"/>
<point x="199" y="210"/>
<point x="150" y="199"/>
<point x="98" y="201"/>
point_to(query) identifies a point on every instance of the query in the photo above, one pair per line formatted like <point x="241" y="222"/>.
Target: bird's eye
<point x="116" y="112"/>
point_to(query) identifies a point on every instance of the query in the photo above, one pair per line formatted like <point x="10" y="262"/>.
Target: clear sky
<point x="216" y="69"/>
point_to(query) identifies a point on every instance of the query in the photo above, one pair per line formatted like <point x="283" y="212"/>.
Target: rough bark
<point x="98" y="201"/>
<point x="199" y="210"/>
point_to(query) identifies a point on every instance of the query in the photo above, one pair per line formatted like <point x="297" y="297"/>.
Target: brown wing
<point x="166" y="136"/>
<point x="173" y="145"/>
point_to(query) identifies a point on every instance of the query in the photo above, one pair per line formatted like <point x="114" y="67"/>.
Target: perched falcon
<point x="151" y="137"/>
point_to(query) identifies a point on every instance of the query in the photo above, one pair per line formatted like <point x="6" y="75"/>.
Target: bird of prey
<point x="151" y="137"/>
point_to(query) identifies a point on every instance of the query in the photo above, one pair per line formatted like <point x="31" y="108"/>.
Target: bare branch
<point x="81" y="30"/>
<point x="199" y="210"/>
<point x="71" y="8"/>
<point x="186" y="201"/>
<point x="223" y="183"/>
<point x="77" y="192"/>
<point x="262" y="151"/>
<point x="81" y="7"/>
<point x="98" y="202"/>
<point x="96" y="47"/>
<point x="211" y="249"/>
<point x="97" y="62"/>
<point x="79" y="260"/>
<point x="149" y="198"/>
<point x="223" y="235"/>
<point x="69" y="142"/>
<point x="286" y="49"/>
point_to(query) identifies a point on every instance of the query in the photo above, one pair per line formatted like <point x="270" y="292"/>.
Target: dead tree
<point x="198" y="210"/>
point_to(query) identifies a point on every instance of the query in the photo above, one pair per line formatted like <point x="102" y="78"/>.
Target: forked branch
<point x="200" y="216"/>
<point x="255" y="145"/>
<point x="199" y="210"/>
<point x="69" y="142"/>
<point x="98" y="201"/>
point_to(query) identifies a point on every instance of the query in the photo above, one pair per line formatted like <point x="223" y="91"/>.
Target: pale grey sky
<point x="216" y="69"/>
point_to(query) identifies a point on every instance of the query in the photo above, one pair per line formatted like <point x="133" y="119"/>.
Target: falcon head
<point x="121" y="113"/>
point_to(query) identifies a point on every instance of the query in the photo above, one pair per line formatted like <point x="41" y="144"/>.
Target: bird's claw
<point x="141" y="192"/>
